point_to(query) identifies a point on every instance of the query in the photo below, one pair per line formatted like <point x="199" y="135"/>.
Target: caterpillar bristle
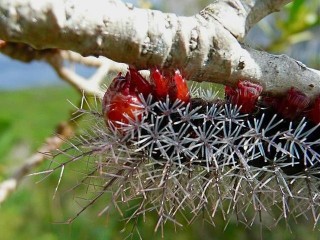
<point x="206" y="155"/>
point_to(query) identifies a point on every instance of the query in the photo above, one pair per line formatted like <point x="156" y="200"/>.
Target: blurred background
<point x="33" y="101"/>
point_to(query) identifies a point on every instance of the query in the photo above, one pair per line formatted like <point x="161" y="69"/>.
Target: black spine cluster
<point x="197" y="158"/>
<point x="215" y="133"/>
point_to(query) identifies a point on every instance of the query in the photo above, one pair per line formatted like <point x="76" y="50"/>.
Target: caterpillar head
<point x="122" y="102"/>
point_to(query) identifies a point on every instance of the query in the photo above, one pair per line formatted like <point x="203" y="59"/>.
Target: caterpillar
<point x="171" y="150"/>
<point x="168" y="125"/>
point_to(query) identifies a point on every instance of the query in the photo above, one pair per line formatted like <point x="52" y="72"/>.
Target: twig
<point x="77" y="58"/>
<point x="56" y="57"/>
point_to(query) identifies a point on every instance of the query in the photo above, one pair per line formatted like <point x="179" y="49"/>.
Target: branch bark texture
<point x="206" y="46"/>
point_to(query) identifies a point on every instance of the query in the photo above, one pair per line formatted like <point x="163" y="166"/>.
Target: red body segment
<point x="246" y="95"/>
<point x="314" y="113"/>
<point x="293" y="104"/>
<point x="160" y="84"/>
<point x="289" y="106"/>
<point x="180" y="88"/>
<point x="175" y="86"/>
<point x="139" y="83"/>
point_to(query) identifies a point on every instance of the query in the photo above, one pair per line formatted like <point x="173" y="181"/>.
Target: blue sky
<point x="15" y="74"/>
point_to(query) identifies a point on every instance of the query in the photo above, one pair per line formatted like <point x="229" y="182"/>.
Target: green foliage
<point x="33" y="114"/>
<point x="6" y="137"/>
<point x="294" y="25"/>
<point x="26" y="119"/>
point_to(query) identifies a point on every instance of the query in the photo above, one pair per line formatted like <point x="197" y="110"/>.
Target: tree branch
<point x="204" y="46"/>
<point x="91" y="86"/>
<point x="238" y="17"/>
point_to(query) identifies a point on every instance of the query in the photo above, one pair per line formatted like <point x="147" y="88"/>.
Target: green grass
<point x="27" y="117"/>
<point x="34" y="113"/>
